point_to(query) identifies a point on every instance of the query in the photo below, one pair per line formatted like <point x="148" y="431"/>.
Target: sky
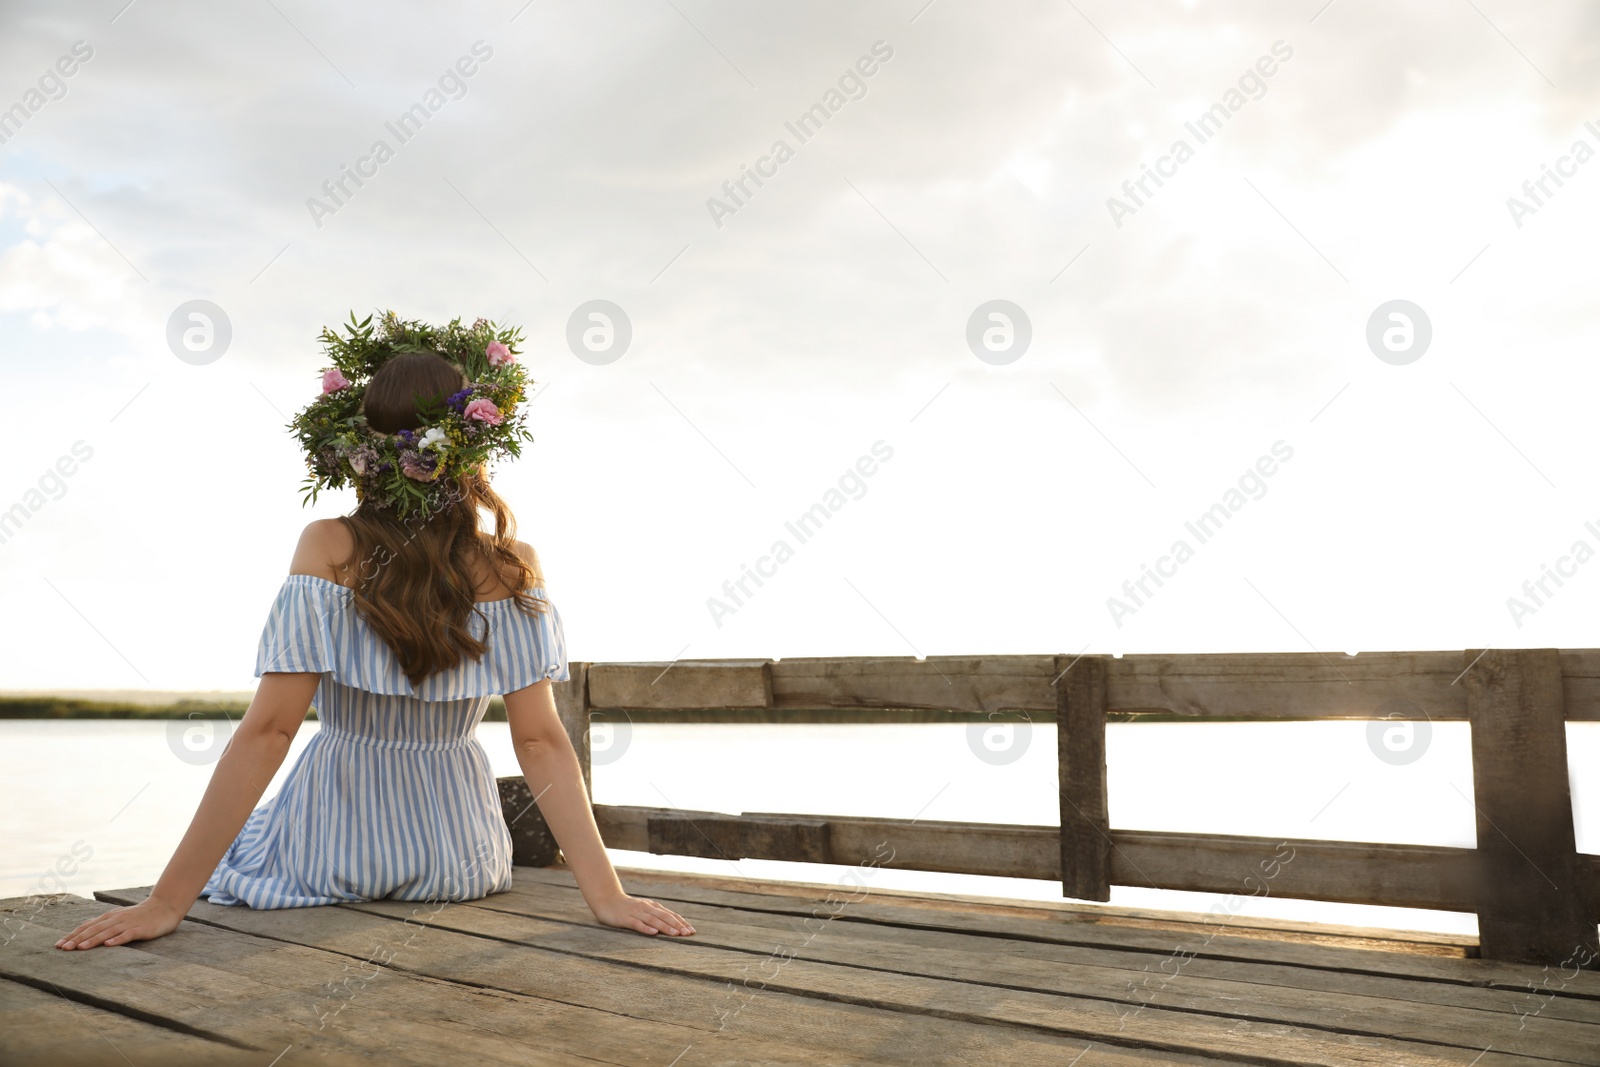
<point x="1183" y="340"/>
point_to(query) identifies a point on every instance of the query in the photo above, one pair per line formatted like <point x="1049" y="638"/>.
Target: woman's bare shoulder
<point x="531" y="558"/>
<point x="323" y="545"/>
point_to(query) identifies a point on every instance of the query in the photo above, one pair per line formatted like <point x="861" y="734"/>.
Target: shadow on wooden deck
<point x="778" y="974"/>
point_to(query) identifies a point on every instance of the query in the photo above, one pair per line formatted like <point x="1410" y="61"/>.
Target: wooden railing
<point x="1536" y="897"/>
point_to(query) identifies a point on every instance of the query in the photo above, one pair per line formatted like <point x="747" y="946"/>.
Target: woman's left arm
<point x="254" y="753"/>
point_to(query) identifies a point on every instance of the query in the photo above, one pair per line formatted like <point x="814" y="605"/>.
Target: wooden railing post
<point x="572" y="704"/>
<point x="1081" y="763"/>
<point x="1532" y="891"/>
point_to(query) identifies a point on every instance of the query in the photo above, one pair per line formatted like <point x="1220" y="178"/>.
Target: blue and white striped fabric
<point x="393" y="797"/>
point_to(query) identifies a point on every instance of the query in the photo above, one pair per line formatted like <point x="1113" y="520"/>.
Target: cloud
<point x="589" y="144"/>
<point x="60" y="271"/>
<point x="833" y="304"/>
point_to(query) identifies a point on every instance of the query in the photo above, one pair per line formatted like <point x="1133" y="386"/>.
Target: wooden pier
<point x="845" y="972"/>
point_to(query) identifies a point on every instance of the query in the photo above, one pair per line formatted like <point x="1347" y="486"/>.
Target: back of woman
<point x="395" y="767"/>
<point x="399" y="621"/>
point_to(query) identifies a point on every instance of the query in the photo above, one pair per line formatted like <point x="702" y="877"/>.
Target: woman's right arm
<point x="551" y="767"/>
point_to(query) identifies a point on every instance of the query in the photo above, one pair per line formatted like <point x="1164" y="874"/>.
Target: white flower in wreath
<point x="435" y="438"/>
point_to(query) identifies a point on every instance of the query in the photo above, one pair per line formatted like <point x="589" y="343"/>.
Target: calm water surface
<point x="108" y="801"/>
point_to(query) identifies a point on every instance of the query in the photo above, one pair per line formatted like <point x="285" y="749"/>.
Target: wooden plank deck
<point x="779" y="973"/>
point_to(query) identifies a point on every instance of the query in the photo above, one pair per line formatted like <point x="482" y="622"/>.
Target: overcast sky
<point x="776" y="338"/>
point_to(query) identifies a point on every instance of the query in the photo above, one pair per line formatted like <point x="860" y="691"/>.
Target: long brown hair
<point x="416" y="580"/>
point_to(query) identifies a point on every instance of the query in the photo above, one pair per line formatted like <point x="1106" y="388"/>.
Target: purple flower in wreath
<point x="419" y="466"/>
<point x="458" y="401"/>
<point x="407" y="436"/>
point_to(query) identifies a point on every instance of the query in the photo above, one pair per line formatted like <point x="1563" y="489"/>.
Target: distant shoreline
<point x="132" y="697"/>
<point x="146" y="704"/>
<point x="134" y="704"/>
<point x="118" y="705"/>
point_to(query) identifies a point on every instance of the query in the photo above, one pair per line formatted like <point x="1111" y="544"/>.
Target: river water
<point x="106" y="801"/>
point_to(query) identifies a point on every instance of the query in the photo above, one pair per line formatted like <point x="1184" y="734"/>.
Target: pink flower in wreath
<point x="333" y="381"/>
<point x="418" y="466"/>
<point x="499" y="355"/>
<point x="484" y="411"/>
<point x="362" y="458"/>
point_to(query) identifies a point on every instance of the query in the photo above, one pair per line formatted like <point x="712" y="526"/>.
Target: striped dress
<point x="394" y="796"/>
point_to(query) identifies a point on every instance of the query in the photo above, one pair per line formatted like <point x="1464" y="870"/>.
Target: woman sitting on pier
<point x="401" y="620"/>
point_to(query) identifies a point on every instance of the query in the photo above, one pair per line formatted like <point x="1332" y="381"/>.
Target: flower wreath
<point x="412" y="472"/>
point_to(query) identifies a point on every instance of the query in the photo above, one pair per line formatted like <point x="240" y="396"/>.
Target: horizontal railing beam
<point x="693" y="684"/>
<point x="1261" y="686"/>
<point x="1389" y="875"/>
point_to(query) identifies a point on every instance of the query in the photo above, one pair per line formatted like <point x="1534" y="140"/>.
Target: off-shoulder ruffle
<point x="314" y="627"/>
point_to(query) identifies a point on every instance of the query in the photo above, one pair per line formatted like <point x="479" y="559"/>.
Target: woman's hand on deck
<point x="141" y="922"/>
<point x="645" y="916"/>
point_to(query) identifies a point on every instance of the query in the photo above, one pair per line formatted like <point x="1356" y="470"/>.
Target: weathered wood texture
<point x="781" y="974"/>
<point x="40" y="1027"/>
<point x="1580" y="683"/>
<point x="1535" y="903"/>
<point x="1267" y="686"/>
<point x="970" y="683"/>
<point x="532" y="843"/>
<point x="680" y="684"/>
<point x="573" y="705"/>
<point x="1540" y="908"/>
<point x="1406" y="876"/>
<point x="717" y="835"/>
<point x="1081" y="772"/>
